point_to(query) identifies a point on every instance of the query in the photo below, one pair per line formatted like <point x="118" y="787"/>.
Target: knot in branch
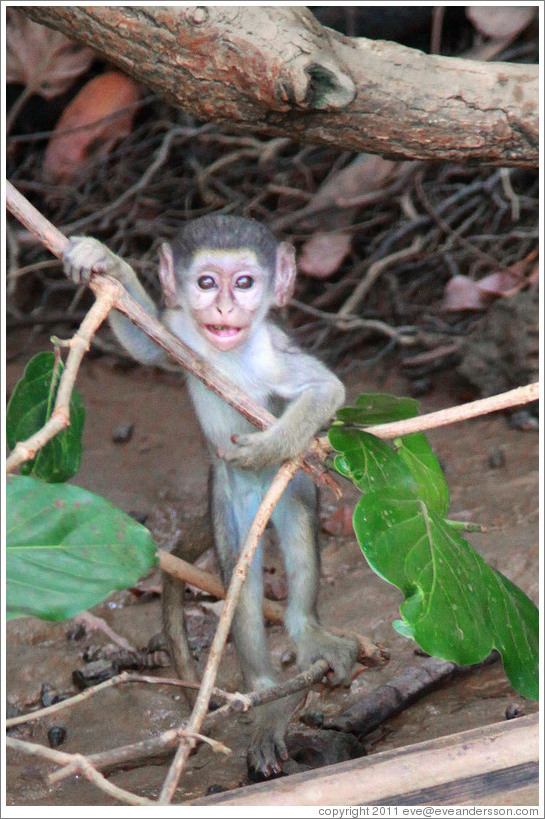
<point x="317" y="84"/>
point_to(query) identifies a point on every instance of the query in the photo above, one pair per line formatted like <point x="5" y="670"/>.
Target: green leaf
<point x="456" y="606"/>
<point x="378" y="408"/>
<point x="30" y="406"/>
<point x="369" y="462"/>
<point x="68" y="549"/>
<point x="403" y="628"/>
<point x="417" y="454"/>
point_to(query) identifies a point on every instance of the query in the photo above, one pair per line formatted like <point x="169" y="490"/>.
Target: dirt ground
<point x="161" y="473"/>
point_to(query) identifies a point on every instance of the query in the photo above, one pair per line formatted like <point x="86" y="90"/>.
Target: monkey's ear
<point x="284" y="275"/>
<point x="166" y="275"/>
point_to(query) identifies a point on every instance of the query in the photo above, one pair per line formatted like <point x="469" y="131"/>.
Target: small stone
<point x="49" y="695"/>
<point x="76" y="632"/>
<point x="122" y="434"/>
<point x="513" y="711"/>
<point x="496" y="458"/>
<point x="215" y="789"/>
<point x="56" y="735"/>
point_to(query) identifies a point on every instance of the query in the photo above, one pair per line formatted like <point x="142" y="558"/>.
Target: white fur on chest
<point x="253" y="369"/>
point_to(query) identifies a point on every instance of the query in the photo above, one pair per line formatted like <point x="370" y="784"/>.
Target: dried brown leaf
<point x="500" y="21"/>
<point x="41" y="59"/>
<point x="323" y="253"/>
<point x="339" y="522"/>
<point x="365" y="174"/>
<point x="92" y="107"/>
<point x="462" y="293"/>
<point x="500" y="285"/>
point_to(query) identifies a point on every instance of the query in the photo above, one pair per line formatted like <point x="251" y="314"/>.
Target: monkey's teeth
<point x="224" y="329"/>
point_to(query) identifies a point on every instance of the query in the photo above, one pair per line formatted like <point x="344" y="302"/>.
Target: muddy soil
<point x="161" y="472"/>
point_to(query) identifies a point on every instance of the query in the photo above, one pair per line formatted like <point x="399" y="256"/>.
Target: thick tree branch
<point x="276" y="70"/>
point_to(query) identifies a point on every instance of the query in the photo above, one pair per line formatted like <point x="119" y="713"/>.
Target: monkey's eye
<point x="206" y="282"/>
<point x="244" y="282"/>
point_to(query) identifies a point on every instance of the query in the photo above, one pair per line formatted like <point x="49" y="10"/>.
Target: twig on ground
<point x="67" y="703"/>
<point x="123" y="678"/>
<point x="78" y="764"/>
<point x="94" y="623"/>
<point x="161" y="747"/>
<point x="177" y="733"/>
<point x="394" y="696"/>
<point x="451" y="232"/>
<point x="510" y="193"/>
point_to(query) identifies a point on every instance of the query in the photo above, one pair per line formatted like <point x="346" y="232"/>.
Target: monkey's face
<point x="227" y="292"/>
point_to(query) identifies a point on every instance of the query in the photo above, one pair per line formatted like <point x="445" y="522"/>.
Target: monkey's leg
<point x="295" y="519"/>
<point x="235" y="499"/>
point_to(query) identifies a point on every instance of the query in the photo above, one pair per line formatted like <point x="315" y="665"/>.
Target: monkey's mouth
<point x="223" y="336"/>
<point x="223" y="330"/>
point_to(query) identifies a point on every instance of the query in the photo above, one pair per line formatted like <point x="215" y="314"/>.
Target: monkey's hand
<point x="317" y="643"/>
<point x="84" y="256"/>
<point x="260" y="450"/>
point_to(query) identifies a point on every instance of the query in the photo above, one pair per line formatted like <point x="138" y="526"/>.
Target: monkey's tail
<point x="175" y="632"/>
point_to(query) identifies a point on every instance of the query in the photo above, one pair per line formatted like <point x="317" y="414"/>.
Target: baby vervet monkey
<point x="220" y="277"/>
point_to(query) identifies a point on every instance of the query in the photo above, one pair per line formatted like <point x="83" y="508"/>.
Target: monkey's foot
<point x="319" y="644"/>
<point x="268" y="748"/>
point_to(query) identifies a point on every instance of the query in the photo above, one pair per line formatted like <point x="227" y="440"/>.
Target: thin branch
<point x="60" y="417"/>
<point x="452" y="415"/>
<point x="159" y="747"/>
<point x="78" y="764"/>
<point x="181" y="569"/>
<point x="353" y="322"/>
<point x="510" y="193"/>
<point x="67" y="703"/>
<point x="241" y="699"/>
<point x="120" y="679"/>
<point x="375" y="270"/>
<point x="462" y="412"/>
<point x="271" y="498"/>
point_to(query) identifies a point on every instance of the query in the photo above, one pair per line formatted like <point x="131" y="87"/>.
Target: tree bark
<point x="275" y="70"/>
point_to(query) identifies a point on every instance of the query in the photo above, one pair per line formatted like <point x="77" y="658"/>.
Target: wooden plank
<point x="487" y="758"/>
<point x="475" y="790"/>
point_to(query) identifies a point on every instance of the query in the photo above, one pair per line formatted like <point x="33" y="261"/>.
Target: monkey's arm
<point x="84" y="256"/>
<point x="313" y="394"/>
